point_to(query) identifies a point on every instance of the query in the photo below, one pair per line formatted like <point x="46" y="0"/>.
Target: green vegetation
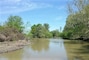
<point x="77" y="24"/>
<point x="15" y="22"/>
<point x="55" y="33"/>
<point x="42" y="31"/>
<point x="12" y="29"/>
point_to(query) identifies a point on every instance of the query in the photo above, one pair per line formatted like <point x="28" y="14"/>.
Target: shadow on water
<point x="72" y="42"/>
<point x="77" y="50"/>
<point x="83" y="50"/>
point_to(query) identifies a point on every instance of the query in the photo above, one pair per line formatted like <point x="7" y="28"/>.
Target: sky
<point x="53" y="12"/>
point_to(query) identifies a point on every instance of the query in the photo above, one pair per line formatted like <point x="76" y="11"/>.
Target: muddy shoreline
<point x="12" y="46"/>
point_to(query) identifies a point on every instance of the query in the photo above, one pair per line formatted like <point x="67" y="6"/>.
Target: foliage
<point x="12" y="29"/>
<point x="15" y="22"/>
<point x="46" y="26"/>
<point x="77" y="24"/>
<point x="55" y="33"/>
<point x="40" y="31"/>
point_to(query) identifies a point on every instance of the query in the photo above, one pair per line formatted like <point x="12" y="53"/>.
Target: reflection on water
<point x="39" y="45"/>
<point x="77" y="50"/>
<point x="44" y="49"/>
<point x="50" y="49"/>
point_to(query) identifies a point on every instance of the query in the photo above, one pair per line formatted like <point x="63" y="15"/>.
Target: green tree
<point x="37" y="31"/>
<point x="40" y="31"/>
<point x="33" y="31"/>
<point x="46" y="26"/>
<point x="12" y="29"/>
<point x="55" y="33"/>
<point x="15" y="22"/>
<point x="77" y="26"/>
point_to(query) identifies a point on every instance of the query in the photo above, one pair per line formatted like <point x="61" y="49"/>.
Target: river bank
<point x="12" y="45"/>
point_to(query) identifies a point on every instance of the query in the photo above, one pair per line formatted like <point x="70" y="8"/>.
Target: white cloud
<point x="15" y="6"/>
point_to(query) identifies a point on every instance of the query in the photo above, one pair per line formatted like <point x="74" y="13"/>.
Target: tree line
<point x="42" y="31"/>
<point x="13" y="29"/>
<point x="77" y="22"/>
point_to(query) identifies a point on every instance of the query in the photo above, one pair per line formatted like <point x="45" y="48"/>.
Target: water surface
<point x="50" y="49"/>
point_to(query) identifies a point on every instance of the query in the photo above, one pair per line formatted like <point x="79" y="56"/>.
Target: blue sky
<point x="53" y="12"/>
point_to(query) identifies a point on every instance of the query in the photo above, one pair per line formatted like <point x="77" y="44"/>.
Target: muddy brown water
<point x="50" y="49"/>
